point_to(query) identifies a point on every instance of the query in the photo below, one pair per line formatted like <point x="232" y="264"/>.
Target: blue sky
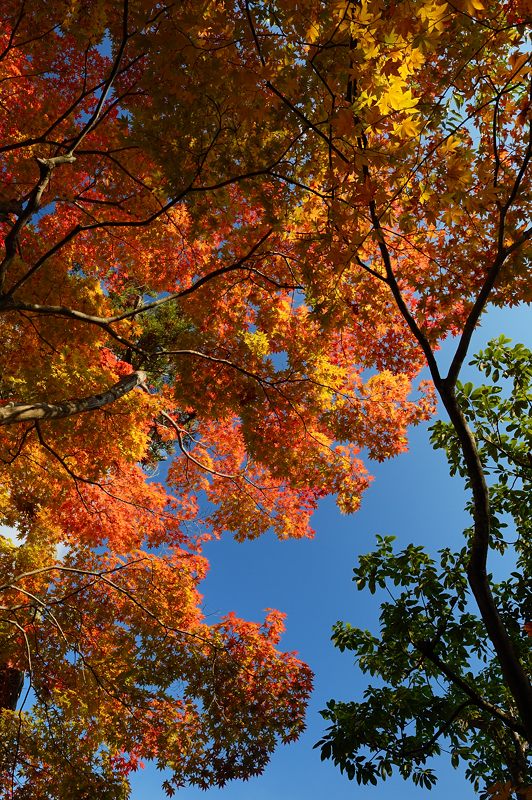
<point x="412" y="498"/>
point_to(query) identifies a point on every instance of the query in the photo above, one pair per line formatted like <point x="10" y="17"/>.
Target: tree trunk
<point x="11" y="683"/>
<point x="514" y="674"/>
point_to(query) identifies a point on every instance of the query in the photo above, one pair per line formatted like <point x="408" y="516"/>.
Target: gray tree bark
<point x="14" y="413"/>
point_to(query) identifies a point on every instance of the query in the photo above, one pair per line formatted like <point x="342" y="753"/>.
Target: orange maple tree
<point x="233" y="232"/>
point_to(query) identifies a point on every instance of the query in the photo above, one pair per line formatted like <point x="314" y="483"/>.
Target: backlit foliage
<point x="266" y="214"/>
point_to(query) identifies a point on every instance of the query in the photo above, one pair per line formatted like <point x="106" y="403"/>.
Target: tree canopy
<point x="234" y="233"/>
<point x="442" y="688"/>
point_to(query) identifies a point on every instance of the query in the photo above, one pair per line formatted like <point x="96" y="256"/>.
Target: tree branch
<point x="427" y="746"/>
<point x="26" y="412"/>
<point x="493" y="272"/>
<point x="426" y="649"/>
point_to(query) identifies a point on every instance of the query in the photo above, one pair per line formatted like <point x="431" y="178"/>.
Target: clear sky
<point x="412" y="498"/>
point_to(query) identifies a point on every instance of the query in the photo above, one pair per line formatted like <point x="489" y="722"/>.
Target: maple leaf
<point x="244" y="275"/>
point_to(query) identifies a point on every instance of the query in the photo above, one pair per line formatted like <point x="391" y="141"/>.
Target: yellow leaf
<point x="408" y="128"/>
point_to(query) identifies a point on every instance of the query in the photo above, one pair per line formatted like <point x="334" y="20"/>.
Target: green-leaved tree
<point x="440" y="688"/>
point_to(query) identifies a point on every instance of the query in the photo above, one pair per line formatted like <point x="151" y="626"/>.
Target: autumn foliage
<point x="266" y="215"/>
